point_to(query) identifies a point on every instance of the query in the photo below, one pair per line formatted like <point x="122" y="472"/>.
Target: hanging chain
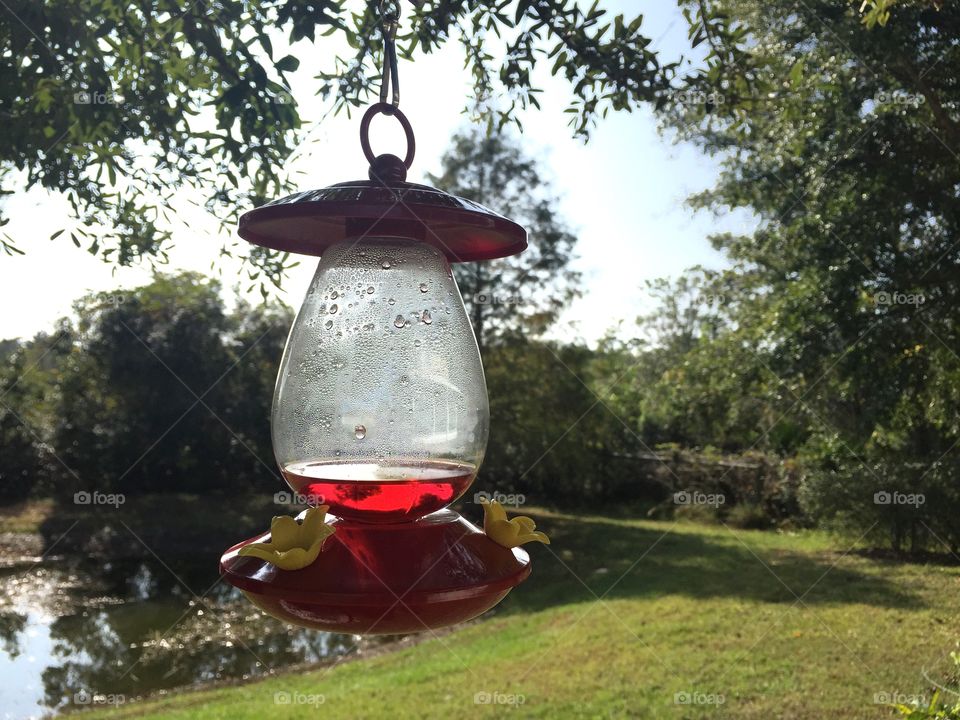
<point x="390" y="81"/>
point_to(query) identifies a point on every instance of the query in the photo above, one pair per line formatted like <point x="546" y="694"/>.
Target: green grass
<point x="25" y="517"/>
<point x="684" y="608"/>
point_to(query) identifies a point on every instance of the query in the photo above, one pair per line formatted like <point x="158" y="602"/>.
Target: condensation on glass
<point x="380" y="409"/>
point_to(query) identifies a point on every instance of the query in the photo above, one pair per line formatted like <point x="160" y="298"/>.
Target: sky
<point x="623" y="194"/>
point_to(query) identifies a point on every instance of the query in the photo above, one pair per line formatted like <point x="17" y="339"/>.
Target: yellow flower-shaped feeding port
<point x="293" y="545"/>
<point x="509" y="532"/>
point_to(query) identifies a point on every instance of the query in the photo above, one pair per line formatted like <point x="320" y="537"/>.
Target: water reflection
<point x="12" y="625"/>
<point x="72" y="631"/>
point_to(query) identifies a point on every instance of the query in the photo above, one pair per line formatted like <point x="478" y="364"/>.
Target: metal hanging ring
<point x="386" y="109"/>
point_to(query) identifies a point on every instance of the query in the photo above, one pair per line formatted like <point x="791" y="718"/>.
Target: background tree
<point x="544" y="424"/>
<point x="700" y="382"/>
<point x="31" y="373"/>
<point x="22" y="463"/>
<point x="258" y="335"/>
<point x="523" y="294"/>
<point x="165" y="391"/>
<point x="844" y="142"/>
<point x="115" y="103"/>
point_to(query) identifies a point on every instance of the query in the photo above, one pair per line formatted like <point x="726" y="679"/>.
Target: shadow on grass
<point x="615" y="560"/>
<point x="895" y="557"/>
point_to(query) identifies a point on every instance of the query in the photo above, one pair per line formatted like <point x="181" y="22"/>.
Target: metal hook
<point x="390" y="79"/>
<point x="390" y="10"/>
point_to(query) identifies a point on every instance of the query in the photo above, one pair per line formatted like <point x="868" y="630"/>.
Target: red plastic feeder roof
<point x="308" y="223"/>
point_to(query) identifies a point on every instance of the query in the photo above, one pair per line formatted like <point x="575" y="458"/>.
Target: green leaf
<point x="288" y="63"/>
<point x="267" y="45"/>
<point x="796" y="73"/>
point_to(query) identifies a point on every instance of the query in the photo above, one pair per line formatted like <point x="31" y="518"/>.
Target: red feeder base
<point x="385" y="578"/>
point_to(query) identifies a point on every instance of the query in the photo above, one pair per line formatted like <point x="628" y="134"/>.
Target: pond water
<point x="77" y="634"/>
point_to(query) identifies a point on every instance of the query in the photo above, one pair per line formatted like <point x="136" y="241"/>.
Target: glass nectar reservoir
<point x="380" y="410"/>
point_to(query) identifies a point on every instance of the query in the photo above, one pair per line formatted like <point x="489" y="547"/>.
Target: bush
<point x="902" y="504"/>
<point x="705" y="514"/>
<point x="757" y="491"/>
<point x="749" y="516"/>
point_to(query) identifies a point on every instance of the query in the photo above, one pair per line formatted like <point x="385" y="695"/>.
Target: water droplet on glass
<point x="423" y="287"/>
<point x="360" y="432"/>
<point x="391" y="301"/>
<point x="399" y="322"/>
<point x="328" y="324"/>
<point x="370" y="290"/>
<point x="334" y="295"/>
<point x="417" y="343"/>
<point x="333" y="309"/>
<point x="386" y="265"/>
<point x="427" y="319"/>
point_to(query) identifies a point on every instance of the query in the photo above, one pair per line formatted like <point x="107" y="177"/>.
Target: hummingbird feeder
<point x="380" y="415"/>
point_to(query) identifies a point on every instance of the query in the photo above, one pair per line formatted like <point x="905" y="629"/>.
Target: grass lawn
<point x="620" y="616"/>
<point x="25" y="517"/>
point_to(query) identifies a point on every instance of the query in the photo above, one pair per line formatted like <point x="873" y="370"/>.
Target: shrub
<point x="749" y="516"/>
<point x="905" y="505"/>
